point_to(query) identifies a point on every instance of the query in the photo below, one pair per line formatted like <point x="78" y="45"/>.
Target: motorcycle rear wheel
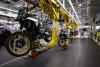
<point x="18" y="44"/>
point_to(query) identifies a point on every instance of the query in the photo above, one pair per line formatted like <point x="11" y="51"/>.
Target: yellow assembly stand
<point x="53" y="8"/>
<point x="53" y="12"/>
<point x="53" y="41"/>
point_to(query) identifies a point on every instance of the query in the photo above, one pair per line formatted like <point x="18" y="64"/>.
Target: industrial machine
<point x="32" y="30"/>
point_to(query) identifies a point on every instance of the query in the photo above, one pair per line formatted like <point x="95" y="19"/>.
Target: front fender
<point x="32" y="19"/>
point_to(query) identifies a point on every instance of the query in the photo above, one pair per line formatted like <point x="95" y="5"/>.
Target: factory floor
<point x="80" y="53"/>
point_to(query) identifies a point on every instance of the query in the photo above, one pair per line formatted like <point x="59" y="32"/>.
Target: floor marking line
<point x="10" y="61"/>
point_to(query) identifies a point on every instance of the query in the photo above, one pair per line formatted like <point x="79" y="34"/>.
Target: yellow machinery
<point x="55" y="9"/>
<point x="20" y="42"/>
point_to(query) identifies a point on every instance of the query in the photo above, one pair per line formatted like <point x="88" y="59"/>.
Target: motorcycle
<point x="63" y="39"/>
<point x="28" y="38"/>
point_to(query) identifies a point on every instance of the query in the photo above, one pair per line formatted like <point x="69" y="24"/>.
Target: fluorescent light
<point x="8" y="14"/>
<point x="3" y="21"/>
<point x="8" y="9"/>
<point x="74" y="10"/>
<point x="67" y="11"/>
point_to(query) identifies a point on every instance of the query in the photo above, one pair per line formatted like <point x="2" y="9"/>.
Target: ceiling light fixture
<point x="8" y="9"/>
<point x="74" y="10"/>
<point x="80" y="5"/>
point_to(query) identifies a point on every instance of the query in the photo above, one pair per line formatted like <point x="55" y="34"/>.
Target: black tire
<point x="62" y="41"/>
<point x="63" y="44"/>
<point x="47" y="39"/>
<point x="9" y="45"/>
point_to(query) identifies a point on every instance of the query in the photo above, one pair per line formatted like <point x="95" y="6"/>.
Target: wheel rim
<point x="62" y="42"/>
<point x="19" y="44"/>
<point x="49" y="38"/>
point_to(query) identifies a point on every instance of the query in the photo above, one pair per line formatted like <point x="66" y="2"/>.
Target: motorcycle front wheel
<point x="62" y="43"/>
<point x="18" y="44"/>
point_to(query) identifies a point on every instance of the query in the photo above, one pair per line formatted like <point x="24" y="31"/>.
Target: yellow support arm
<point x="53" y="8"/>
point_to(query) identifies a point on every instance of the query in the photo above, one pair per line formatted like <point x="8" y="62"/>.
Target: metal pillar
<point x="64" y="3"/>
<point x="91" y="24"/>
<point x="93" y="27"/>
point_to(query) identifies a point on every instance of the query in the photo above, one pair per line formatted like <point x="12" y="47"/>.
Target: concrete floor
<point x="80" y="53"/>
